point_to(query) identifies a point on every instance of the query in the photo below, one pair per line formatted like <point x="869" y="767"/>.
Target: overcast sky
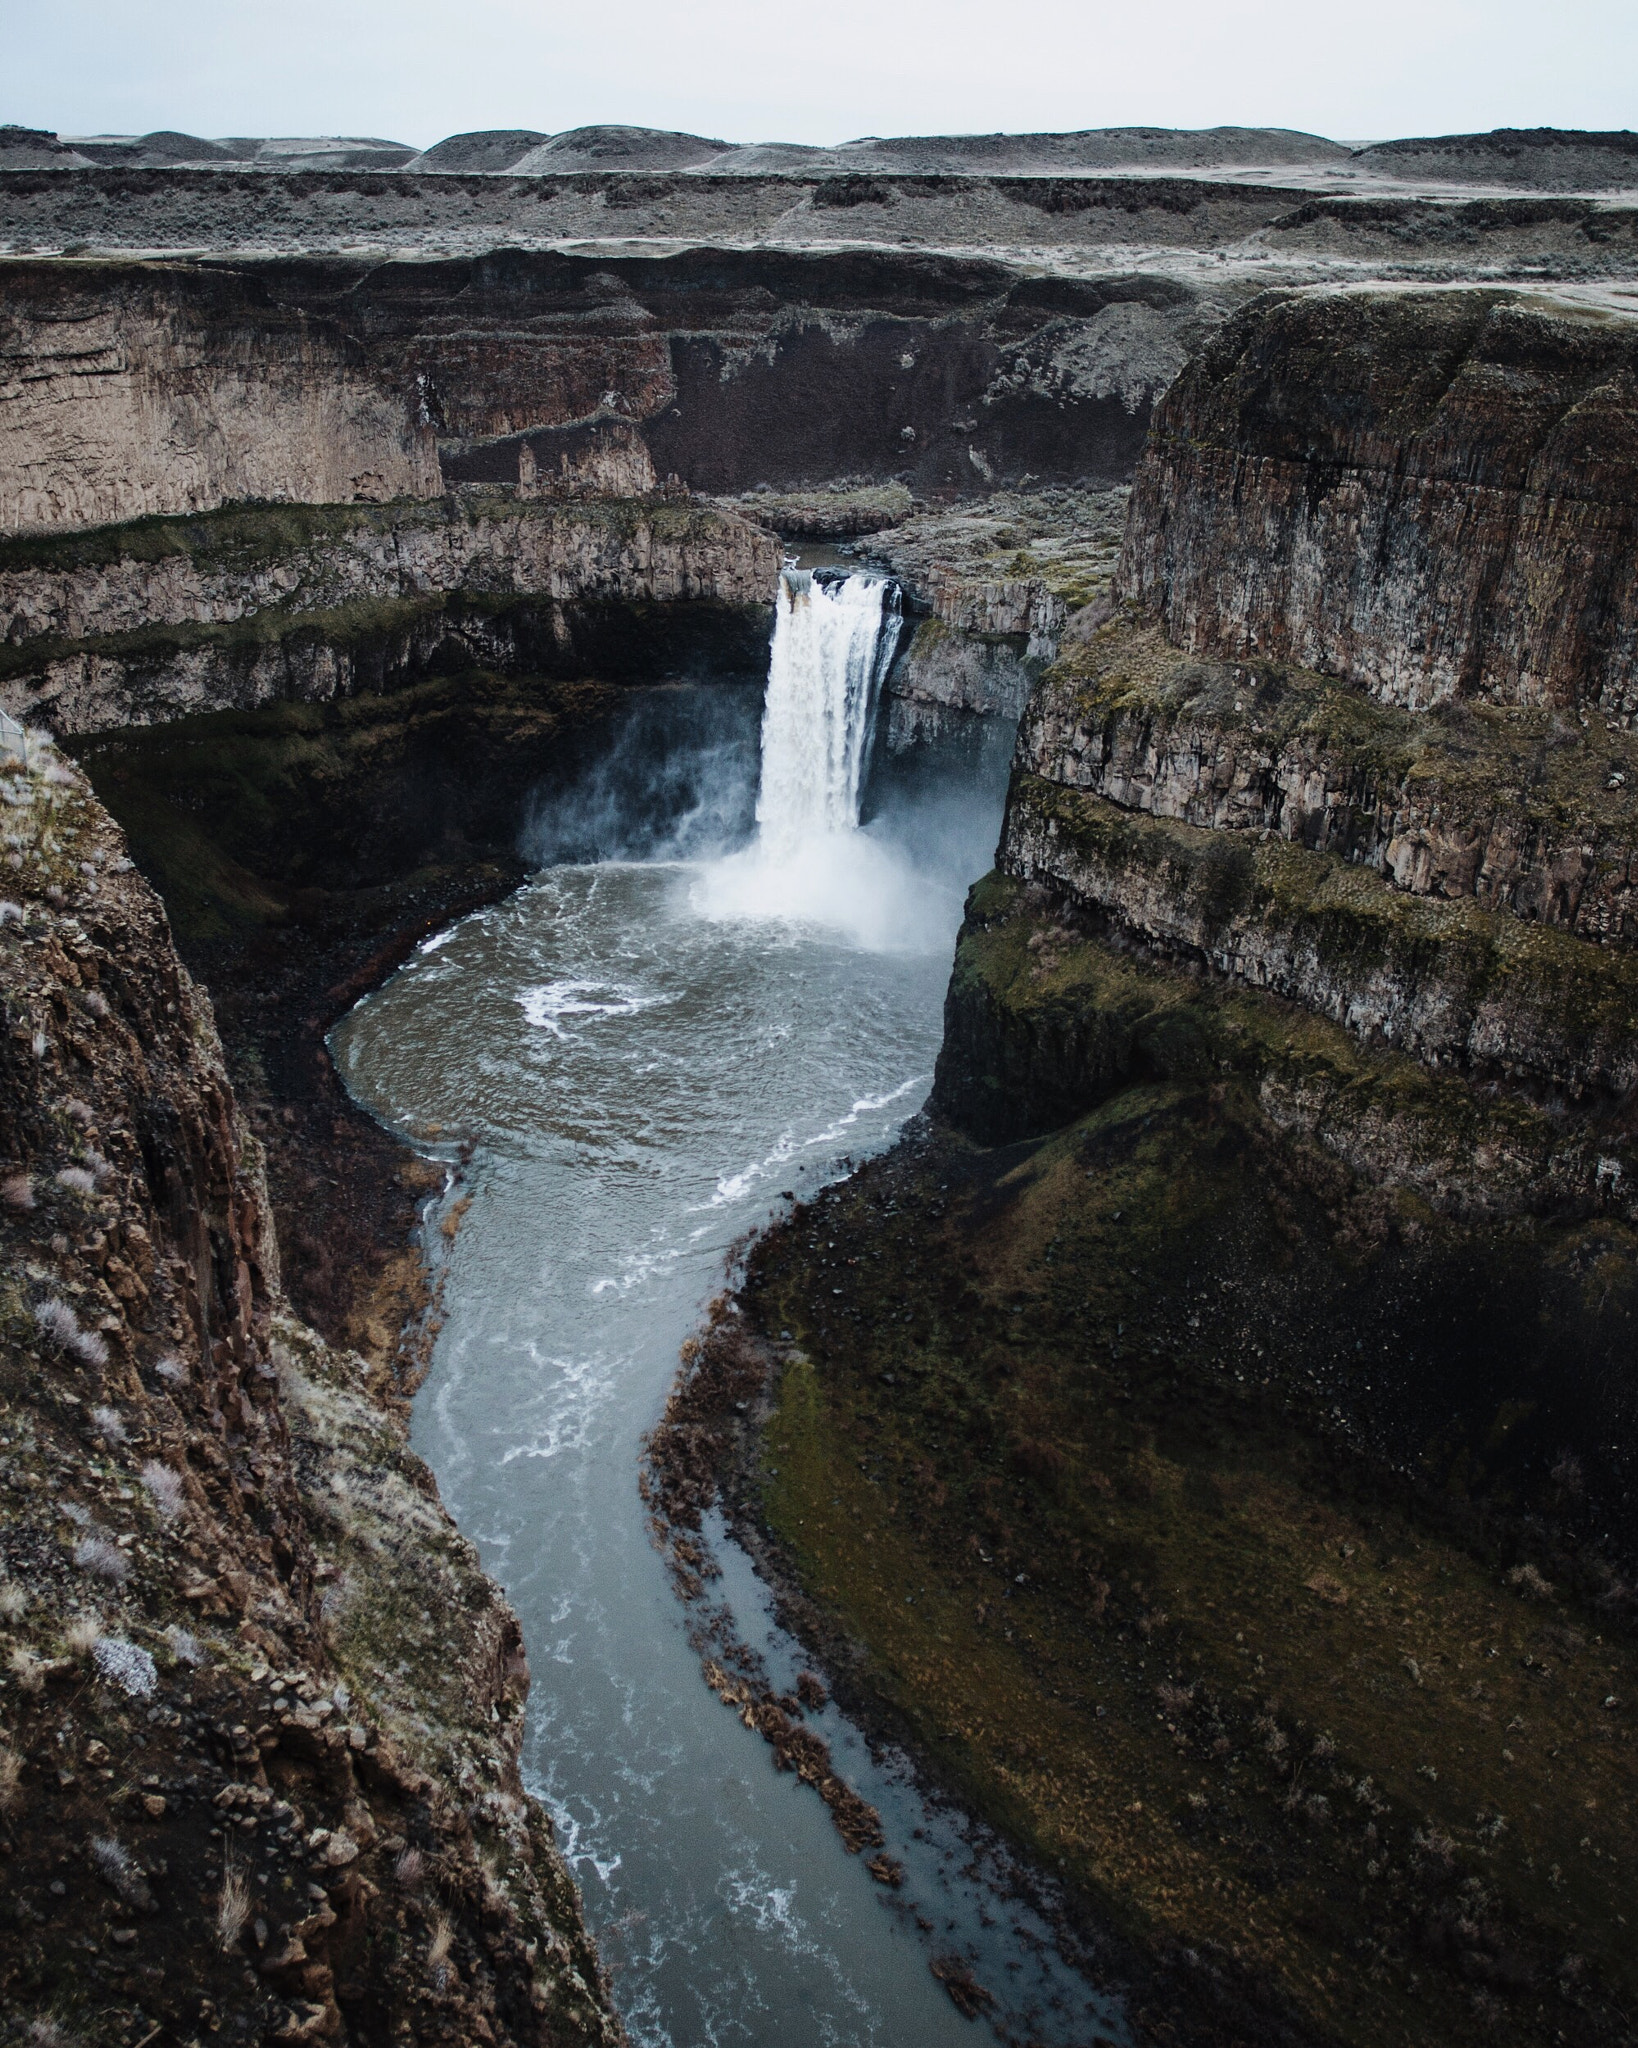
<point x="416" y="70"/>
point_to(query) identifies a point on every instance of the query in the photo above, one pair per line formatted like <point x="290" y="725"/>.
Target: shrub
<point x="185" y="1646"/>
<point x="28" y="1670"/>
<point x="96" y="1554"/>
<point x="438" y="1949"/>
<point x="165" y="1488"/>
<point x="126" y="1665"/>
<point x="233" y="1908"/>
<point x="57" y="1321"/>
<point x="108" y="1424"/>
<point x="82" y="1636"/>
<point x="17" y="1192"/>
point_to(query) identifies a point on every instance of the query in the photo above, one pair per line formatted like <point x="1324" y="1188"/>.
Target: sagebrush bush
<point x="165" y="1489"/>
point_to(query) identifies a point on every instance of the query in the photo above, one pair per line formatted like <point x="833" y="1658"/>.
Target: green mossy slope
<point x="1125" y="1461"/>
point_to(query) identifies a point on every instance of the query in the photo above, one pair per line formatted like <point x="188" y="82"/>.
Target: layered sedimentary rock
<point x="262" y="1710"/>
<point x="140" y="625"/>
<point x="989" y="586"/>
<point x="133" y="388"/>
<point x="1354" y="748"/>
<point x="1432" y="494"/>
<point x="1213" y="1431"/>
<point x="1431" y="848"/>
<point x="1527" y="812"/>
<point x="131" y="395"/>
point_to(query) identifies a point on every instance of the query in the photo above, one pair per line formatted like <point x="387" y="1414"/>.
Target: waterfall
<point x="811" y="864"/>
<point x="833" y="644"/>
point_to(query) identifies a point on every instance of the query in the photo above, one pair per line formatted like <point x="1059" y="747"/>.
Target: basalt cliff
<point x="1207" y="1438"/>
<point x="262" y="1708"/>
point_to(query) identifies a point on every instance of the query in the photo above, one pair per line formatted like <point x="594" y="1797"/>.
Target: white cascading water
<point x="811" y="863"/>
<point x="832" y="645"/>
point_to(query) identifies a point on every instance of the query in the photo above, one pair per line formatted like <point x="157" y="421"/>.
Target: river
<point x="645" y="1057"/>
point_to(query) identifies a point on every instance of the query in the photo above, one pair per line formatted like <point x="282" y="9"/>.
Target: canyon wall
<point x="1433" y="494"/>
<point x="262" y="1708"/>
<point x="137" y="388"/>
<point x="141" y="393"/>
<point x="1329" y="805"/>
<point x="137" y="626"/>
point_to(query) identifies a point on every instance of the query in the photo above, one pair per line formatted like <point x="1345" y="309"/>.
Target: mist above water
<point x="769" y="822"/>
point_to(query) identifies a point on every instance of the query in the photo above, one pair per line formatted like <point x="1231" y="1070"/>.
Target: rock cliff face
<point x="1230" y="1386"/>
<point x="122" y="396"/>
<point x="1526" y="812"/>
<point x="1355" y="749"/>
<point x="340" y="380"/>
<point x="261" y="1716"/>
<point x="1434" y="495"/>
<point x="139" y="626"/>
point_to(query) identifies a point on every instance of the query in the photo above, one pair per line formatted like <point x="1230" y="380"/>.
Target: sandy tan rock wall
<point x="119" y="403"/>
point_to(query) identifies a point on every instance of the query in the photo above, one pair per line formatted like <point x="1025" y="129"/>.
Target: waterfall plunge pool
<point x="644" y="1055"/>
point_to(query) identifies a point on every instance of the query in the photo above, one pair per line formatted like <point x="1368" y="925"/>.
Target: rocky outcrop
<point x="1433" y="850"/>
<point x="136" y="627"/>
<point x="124" y="395"/>
<point x="991" y="586"/>
<point x="1333" y="812"/>
<point x="1434" y="495"/>
<point x="1457" y="987"/>
<point x="1521" y="811"/>
<point x="247" y="1781"/>
<point x="945" y="677"/>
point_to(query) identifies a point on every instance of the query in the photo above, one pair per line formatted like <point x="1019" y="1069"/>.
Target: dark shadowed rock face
<point x="1285" y="1115"/>
<point x="1362" y="769"/>
<point x="1435" y="495"/>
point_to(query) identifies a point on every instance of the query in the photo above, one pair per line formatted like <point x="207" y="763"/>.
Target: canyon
<point x="1203" y="1439"/>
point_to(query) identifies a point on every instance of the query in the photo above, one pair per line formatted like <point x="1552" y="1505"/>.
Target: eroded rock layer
<point x="1432" y="494"/>
<point x="131" y="388"/>
<point x="261" y="1709"/>
<point x="140" y="625"/>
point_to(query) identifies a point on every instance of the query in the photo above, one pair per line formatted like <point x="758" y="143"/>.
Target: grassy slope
<point x="1256" y="1694"/>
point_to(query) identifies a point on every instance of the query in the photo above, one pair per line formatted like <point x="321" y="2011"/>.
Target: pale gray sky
<point x="420" y="69"/>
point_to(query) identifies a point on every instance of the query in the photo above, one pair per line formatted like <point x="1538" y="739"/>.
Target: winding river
<point x="644" y="1057"/>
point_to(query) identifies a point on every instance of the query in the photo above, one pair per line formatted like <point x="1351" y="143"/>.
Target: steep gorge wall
<point x="1434" y="495"/>
<point x="142" y="625"/>
<point x="1357" y="738"/>
<point x="132" y="388"/>
<point x="259" y="1735"/>
<point x="128" y="394"/>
